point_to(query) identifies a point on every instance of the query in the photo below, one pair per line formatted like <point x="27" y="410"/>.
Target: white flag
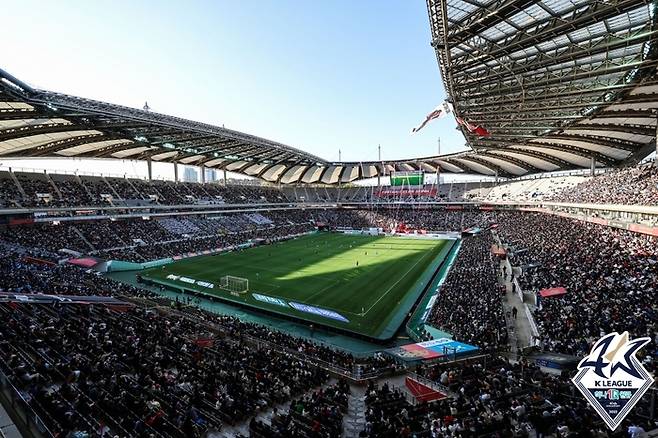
<point x="437" y="113"/>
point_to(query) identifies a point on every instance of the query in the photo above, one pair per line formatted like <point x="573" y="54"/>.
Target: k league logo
<point x="611" y="378"/>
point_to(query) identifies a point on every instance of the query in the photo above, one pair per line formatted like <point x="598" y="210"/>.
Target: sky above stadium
<point x="320" y="76"/>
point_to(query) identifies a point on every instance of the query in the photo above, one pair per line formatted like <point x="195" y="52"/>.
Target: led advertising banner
<point x="432" y="349"/>
<point x="407" y="179"/>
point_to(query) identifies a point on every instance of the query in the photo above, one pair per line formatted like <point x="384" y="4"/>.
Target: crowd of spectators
<point x="141" y="240"/>
<point x="316" y="415"/>
<point x="634" y="185"/>
<point x="628" y="186"/>
<point x="358" y="365"/>
<point x="22" y="273"/>
<point x="31" y="190"/>
<point x="25" y="274"/>
<point x="610" y="275"/>
<point x="140" y="372"/>
<point x="491" y="397"/>
<point x="391" y="219"/>
<point x="471" y="288"/>
<point x="151" y="373"/>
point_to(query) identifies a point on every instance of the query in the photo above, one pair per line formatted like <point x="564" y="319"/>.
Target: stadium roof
<point x="555" y="82"/>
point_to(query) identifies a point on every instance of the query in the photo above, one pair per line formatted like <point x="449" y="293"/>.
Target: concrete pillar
<point x="202" y="168"/>
<point x="224" y="176"/>
<point x="176" y="171"/>
<point x="149" y="165"/>
<point x="592" y="165"/>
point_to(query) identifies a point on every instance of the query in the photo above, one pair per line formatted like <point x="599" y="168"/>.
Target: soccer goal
<point x="235" y="285"/>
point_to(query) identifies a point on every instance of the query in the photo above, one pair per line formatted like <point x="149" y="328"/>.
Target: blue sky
<point x="315" y="75"/>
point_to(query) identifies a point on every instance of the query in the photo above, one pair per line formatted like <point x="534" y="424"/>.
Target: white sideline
<point x="394" y="284"/>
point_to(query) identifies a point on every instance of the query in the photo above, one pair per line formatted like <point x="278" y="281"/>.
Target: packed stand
<point x="23" y="274"/>
<point x="141" y="240"/>
<point x="55" y="190"/>
<point x="319" y="414"/>
<point x="139" y="372"/>
<point x="630" y="186"/>
<point x="610" y="275"/>
<point x="471" y="289"/>
<point x="492" y="397"/>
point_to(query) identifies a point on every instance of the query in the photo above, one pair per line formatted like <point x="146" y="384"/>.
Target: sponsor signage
<point x="407" y="192"/>
<point x="318" y="311"/>
<point x="407" y="179"/>
<point x="270" y="300"/>
<point x="205" y="284"/>
<point x="432" y="349"/>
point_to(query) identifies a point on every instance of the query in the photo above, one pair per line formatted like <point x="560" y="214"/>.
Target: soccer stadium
<point x="164" y="276"/>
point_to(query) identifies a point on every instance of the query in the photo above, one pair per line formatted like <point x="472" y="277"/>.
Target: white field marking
<point x="321" y="306"/>
<point x="269" y="291"/>
<point x="321" y="290"/>
<point x="394" y="284"/>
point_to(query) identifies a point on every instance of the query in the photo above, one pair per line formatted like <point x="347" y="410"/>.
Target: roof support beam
<point x="109" y="150"/>
<point x="485" y="17"/>
<point x="569" y="51"/>
<point x="59" y="145"/>
<point x="28" y="130"/>
<point x="603" y="141"/>
<point x="497" y="169"/>
<point x="550" y="79"/>
<point x="538" y="155"/>
<point x="519" y="163"/>
<point x="582" y="152"/>
<point x="550" y="27"/>
<point x="17" y="114"/>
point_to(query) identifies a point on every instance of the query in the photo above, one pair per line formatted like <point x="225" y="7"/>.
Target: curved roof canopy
<point x="555" y="82"/>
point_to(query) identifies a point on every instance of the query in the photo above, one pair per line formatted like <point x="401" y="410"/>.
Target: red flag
<point x="479" y="130"/>
<point x="475" y="129"/>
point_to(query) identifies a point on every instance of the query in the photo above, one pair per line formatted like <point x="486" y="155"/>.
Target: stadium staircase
<point x="354" y="420"/>
<point x="84" y="186"/>
<point x="8" y="428"/>
<point x="115" y="194"/>
<point x="83" y="238"/>
<point x="519" y="329"/>
<point x="54" y="186"/>
<point x="135" y="189"/>
<point x="18" y="184"/>
<point x="242" y="428"/>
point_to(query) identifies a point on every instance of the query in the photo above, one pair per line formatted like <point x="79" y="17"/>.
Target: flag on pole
<point x="475" y="129"/>
<point x="437" y="113"/>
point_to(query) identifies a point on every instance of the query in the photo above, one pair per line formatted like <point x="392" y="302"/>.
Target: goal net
<point x="235" y="285"/>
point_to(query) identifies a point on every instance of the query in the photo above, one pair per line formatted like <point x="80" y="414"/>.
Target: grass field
<point x="321" y="271"/>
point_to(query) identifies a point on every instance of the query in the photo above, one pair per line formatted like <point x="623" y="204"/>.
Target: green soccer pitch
<point x="361" y="284"/>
